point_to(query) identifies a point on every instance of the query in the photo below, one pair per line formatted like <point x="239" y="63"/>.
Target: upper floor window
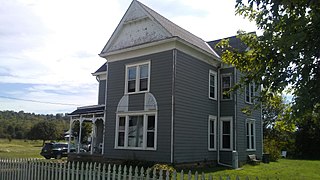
<point x="225" y="87"/>
<point x="136" y="131"/>
<point x="213" y="85"/>
<point x="249" y="90"/>
<point x="251" y="135"/>
<point x="137" y="77"/>
<point x="212" y="132"/>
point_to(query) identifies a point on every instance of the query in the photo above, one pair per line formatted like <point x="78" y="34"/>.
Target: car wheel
<point x="59" y="156"/>
<point x="47" y="157"/>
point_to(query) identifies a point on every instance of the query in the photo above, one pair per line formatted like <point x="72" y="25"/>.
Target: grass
<point x="283" y="169"/>
<point x="20" y="148"/>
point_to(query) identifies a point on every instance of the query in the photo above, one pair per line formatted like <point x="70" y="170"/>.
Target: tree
<point x="86" y="129"/>
<point x="43" y="130"/>
<point x="286" y="54"/>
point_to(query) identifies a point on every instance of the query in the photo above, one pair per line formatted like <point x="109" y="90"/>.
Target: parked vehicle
<point x="55" y="150"/>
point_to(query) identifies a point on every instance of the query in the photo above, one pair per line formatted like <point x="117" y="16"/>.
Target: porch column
<point x="93" y="133"/>
<point x="70" y="133"/>
<point x="79" y="138"/>
<point x="104" y="129"/>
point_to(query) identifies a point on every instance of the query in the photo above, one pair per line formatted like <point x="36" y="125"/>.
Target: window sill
<point x="135" y="149"/>
<point x="213" y="98"/>
<point x="212" y="149"/>
<point x="226" y="150"/>
<point x="249" y="103"/>
<point x="248" y="150"/>
<point x="139" y="92"/>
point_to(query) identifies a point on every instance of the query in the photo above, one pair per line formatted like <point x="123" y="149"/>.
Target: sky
<point x="49" y="48"/>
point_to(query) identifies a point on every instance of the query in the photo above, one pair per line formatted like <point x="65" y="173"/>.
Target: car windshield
<point x="61" y="146"/>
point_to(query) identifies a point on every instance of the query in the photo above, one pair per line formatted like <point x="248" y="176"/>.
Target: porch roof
<point x="88" y="110"/>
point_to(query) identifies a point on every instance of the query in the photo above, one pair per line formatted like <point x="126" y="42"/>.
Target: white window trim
<point x="214" y="119"/>
<point x="137" y="77"/>
<point x="251" y="121"/>
<point x="211" y="72"/>
<point x="230" y="119"/>
<point x="145" y="128"/>
<point x="251" y="100"/>
<point x="222" y="76"/>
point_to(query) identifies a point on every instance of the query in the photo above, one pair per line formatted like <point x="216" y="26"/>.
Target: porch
<point x="87" y="130"/>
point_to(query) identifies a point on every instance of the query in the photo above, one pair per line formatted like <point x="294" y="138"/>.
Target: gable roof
<point x="167" y="29"/>
<point x="234" y="42"/>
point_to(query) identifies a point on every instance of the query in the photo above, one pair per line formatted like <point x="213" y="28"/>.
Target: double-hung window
<point x="137" y="77"/>
<point x="251" y="136"/>
<point x="226" y="133"/>
<point x="212" y="132"/>
<point x="136" y="131"/>
<point x="249" y="90"/>
<point x="225" y="87"/>
<point x="212" y="84"/>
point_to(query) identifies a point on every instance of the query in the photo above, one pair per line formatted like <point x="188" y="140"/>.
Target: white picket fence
<point x="36" y="169"/>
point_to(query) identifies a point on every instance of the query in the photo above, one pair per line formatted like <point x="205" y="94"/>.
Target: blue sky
<point x="49" y="48"/>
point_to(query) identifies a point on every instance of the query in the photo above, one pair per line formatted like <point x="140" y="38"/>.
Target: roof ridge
<point x="174" y="32"/>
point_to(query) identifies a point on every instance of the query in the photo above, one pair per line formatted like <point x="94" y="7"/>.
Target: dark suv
<point x="55" y="150"/>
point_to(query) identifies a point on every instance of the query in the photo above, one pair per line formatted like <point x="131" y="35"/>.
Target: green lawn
<point x="20" y="149"/>
<point x="283" y="169"/>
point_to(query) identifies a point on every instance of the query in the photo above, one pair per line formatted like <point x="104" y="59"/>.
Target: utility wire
<point x="43" y="102"/>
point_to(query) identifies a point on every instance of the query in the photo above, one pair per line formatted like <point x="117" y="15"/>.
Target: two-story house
<point x="163" y="97"/>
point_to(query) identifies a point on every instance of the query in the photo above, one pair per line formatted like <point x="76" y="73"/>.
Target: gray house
<point x="163" y="97"/>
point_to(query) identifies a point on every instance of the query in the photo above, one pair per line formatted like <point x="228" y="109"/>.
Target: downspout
<point x="235" y="111"/>
<point x="219" y="114"/>
<point x="174" y="56"/>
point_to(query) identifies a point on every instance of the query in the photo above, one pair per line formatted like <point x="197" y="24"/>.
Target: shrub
<point x="273" y="148"/>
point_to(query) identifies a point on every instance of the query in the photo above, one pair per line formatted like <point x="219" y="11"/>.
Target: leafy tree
<point x="285" y="56"/>
<point x="44" y="130"/>
<point x="288" y="51"/>
<point x="86" y="129"/>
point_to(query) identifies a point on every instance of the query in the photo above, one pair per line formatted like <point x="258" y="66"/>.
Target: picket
<point x="35" y="169"/>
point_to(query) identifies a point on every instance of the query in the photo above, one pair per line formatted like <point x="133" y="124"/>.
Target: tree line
<point x="22" y="125"/>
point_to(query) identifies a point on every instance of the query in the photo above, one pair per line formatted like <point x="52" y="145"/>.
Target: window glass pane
<point x="226" y="127"/>
<point x="132" y="86"/>
<point x="226" y="82"/>
<point x="211" y="127"/>
<point x="132" y="73"/>
<point x="212" y="141"/>
<point x="143" y="84"/>
<point x="144" y="69"/>
<point x="247" y="128"/>
<point x="135" y="134"/>
<point x="252" y="130"/>
<point x="212" y="92"/>
<point x="247" y="93"/>
<point x="252" y="92"/>
<point x="211" y="80"/>
<point x="151" y="123"/>
<point x="150" y="139"/>
<point x="248" y="143"/>
<point x="122" y="121"/>
<point x="252" y="142"/>
<point x="226" y="141"/>
<point x="121" y="139"/>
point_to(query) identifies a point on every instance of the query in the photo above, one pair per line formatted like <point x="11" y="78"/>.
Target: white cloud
<point x="52" y="47"/>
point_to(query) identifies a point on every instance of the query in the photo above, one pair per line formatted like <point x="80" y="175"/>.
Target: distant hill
<point x="16" y="125"/>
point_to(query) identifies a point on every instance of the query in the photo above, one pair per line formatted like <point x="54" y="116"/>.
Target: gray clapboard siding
<point x="102" y="92"/>
<point x="160" y="87"/>
<point x="192" y="110"/>
<point x="241" y="126"/>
